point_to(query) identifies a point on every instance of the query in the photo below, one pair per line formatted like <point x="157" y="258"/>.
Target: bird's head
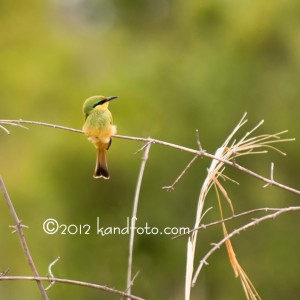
<point x="96" y="102"/>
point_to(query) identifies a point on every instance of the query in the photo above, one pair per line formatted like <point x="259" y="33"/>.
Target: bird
<point x="99" y="129"/>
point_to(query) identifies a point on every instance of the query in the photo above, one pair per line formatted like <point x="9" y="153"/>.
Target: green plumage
<point x="98" y="128"/>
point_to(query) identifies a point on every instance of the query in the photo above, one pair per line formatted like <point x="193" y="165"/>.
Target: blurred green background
<point x="176" y="66"/>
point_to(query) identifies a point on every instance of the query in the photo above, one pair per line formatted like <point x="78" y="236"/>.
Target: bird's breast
<point x="102" y="135"/>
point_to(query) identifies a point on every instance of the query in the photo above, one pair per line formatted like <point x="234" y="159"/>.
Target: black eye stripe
<point x="100" y="102"/>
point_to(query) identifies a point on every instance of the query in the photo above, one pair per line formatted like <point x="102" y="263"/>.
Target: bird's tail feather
<point x="101" y="169"/>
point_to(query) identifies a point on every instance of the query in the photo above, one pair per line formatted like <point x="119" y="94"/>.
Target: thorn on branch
<point x="4" y="273"/>
<point x="168" y="188"/>
<point x="204" y="262"/>
<point x="271" y="176"/>
<point x="215" y="245"/>
<point x="198" y="140"/>
<point x="233" y="159"/>
<point x="144" y="146"/>
<point x="18" y="226"/>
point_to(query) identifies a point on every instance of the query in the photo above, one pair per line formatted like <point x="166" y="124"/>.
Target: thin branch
<point x="4" y="273"/>
<point x="6" y="130"/>
<point x="204" y="226"/>
<point x="182" y="148"/>
<point x="238" y="231"/>
<point x="171" y="187"/>
<point x="19" y="230"/>
<point x="134" y="214"/>
<point x="50" y="272"/>
<point x="74" y="282"/>
<point x="132" y="281"/>
<point x="51" y="265"/>
<point x="20" y="121"/>
<point x="6" y="122"/>
<point x="264" y="179"/>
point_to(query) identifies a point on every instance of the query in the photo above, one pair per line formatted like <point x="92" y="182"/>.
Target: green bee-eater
<point x="99" y="128"/>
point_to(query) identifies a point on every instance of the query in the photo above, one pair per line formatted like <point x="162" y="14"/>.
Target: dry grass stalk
<point x="227" y="152"/>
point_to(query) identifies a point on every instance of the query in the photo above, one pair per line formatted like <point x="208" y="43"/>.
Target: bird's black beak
<point x="111" y="98"/>
<point x="105" y="100"/>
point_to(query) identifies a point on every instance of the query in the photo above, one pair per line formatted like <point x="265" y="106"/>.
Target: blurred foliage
<point x="176" y="66"/>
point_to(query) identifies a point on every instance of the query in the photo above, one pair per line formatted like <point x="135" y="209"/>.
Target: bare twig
<point x="182" y="148"/>
<point x="7" y="122"/>
<point x="20" y="121"/>
<point x="74" y="282"/>
<point x="22" y="239"/>
<point x="204" y="226"/>
<point x="6" y="130"/>
<point x="134" y="214"/>
<point x="132" y="281"/>
<point x="50" y="272"/>
<point x="268" y="181"/>
<point x="237" y="231"/>
<point x="4" y="273"/>
<point x="171" y="187"/>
